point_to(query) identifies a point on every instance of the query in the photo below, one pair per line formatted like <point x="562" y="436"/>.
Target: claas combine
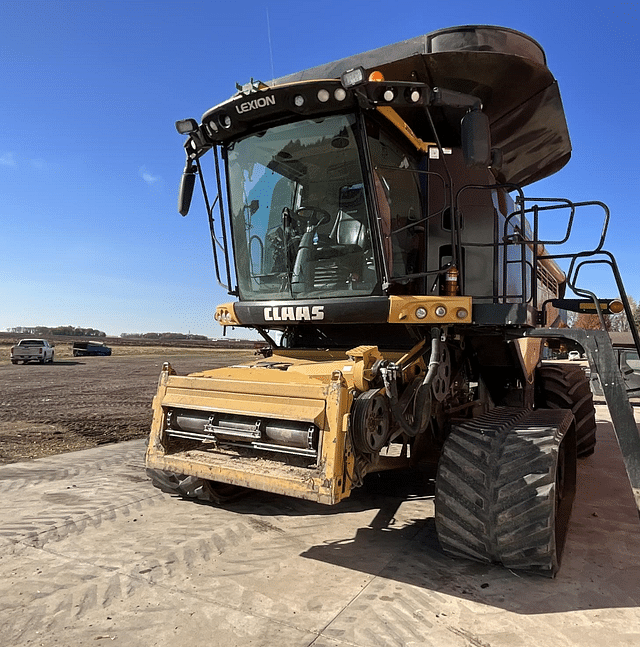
<point x="369" y="220"/>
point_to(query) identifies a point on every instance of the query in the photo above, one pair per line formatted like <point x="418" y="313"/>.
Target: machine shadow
<point x="594" y="573"/>
<point x="57" y="363"/>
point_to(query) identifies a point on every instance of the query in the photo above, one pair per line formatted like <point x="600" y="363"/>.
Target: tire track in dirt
<point x="57" y="496"/>
<point x="59" y="522"/>
<point x="108" y="504"/>
<point x="17" y="476"/>
<point x="52" y="609"/>
<point x="214" y="555"/>
<point x="136" y="565"/>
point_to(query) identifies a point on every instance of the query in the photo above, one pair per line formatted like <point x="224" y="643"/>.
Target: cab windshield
<point x="299" y="213"/>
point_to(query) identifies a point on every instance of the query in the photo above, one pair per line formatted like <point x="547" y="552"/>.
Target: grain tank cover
<point x="505" y="69"/>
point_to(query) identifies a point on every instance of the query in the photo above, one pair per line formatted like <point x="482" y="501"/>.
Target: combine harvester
<point x="370" y="221"/>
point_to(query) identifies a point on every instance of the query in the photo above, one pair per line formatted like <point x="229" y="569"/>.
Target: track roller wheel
<point x="193" y="487"/>
<point x="505" y="488"/>
<point x="567" y="387"/>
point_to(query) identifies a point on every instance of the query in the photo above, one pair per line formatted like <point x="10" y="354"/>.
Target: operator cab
<point x="299" y="213"/>
<point x="338" y="195"/>
<point x="345" y="206"/>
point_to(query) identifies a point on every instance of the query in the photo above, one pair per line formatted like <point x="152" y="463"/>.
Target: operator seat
<point x="348" y="236"/>
<point x="348" y="232"/>
<point x="340" y="260"/>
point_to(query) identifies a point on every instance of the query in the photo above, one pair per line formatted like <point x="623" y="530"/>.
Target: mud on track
<point x="79" y="403"/>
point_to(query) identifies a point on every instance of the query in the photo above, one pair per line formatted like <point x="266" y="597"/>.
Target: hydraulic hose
<point x="423" y="391"/>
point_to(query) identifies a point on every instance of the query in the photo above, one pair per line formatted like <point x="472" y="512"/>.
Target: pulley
<point x="370" y="421"/>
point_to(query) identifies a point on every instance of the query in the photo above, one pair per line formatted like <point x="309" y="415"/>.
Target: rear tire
<point x="505" y="488"/>
<point x="193" y="487"/>
<point x="567" y="387"/>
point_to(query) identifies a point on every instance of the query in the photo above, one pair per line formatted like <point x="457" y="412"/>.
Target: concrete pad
<point x="90" y="551"/>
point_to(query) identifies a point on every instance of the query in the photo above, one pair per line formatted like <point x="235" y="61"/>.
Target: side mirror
<point x="476" y="138"/>
<point x="186" y="188"/>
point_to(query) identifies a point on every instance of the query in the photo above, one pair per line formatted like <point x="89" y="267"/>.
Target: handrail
<point x="210" y="207"/>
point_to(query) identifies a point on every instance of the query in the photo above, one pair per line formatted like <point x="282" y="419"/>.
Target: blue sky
<point x="90" y="160"/>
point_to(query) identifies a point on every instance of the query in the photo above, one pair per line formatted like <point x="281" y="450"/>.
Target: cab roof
<point x="506" y="69"/>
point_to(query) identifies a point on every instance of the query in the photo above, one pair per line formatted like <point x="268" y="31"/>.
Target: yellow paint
<point x="403" y="127"/>
<point x="402" y="309"/>
<point x="317" y="392"/>
<point x="364" y="357"/>
<point x="226" y="315"/>
<point x="529" y="350"/>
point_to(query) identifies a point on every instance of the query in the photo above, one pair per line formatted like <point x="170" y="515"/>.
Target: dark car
<point x="83" y="348"/>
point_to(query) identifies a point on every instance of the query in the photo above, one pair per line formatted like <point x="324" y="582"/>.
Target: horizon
<point x="50" y="330"/>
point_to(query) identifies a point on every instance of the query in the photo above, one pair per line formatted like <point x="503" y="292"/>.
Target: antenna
<point x="273" y="76"/>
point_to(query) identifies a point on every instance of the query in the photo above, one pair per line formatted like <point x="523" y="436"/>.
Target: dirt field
<point x="78" y="403"/>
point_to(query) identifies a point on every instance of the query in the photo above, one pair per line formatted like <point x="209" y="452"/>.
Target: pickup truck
<point x="32" y="350"/>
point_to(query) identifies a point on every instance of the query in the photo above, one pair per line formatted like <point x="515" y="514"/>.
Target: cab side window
<point x="398" y="196"/>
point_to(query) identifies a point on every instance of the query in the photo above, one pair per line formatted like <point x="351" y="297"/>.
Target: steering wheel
<point x="314" y="216"/>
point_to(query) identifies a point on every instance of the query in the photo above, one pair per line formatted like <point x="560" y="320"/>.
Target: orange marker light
<point x="616" y="306"/>
<point x="376" y="76"/>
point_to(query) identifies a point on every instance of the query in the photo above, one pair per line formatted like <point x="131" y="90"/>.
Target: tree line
<point x="163" y="335"/>
<point x="69" y="331"/>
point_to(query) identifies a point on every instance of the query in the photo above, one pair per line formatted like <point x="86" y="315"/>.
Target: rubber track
<point x="567" y="387"/>
<point x="496" y="489"/>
